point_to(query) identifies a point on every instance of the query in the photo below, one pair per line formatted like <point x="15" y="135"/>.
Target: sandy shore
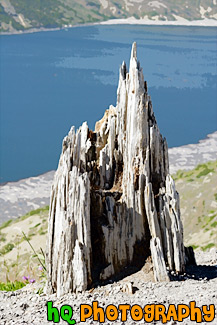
<point x="180" y="21"/>
<point x="42" y="29"/>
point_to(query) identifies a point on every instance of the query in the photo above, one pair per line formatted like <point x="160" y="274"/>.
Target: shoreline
<point x="43" y="29"/>
<point x="26" y="178"/>
<point x="201" y="141"/>
<point x="20" y="197"/>
<point x="180" y="22"/>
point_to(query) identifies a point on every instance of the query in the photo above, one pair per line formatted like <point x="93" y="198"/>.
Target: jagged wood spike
<point x="113" y="202"/>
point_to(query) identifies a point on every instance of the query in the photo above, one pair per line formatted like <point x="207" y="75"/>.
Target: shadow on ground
<point x="199" y="272"/>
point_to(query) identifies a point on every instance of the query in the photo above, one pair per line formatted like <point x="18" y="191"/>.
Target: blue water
<point x="52" y="80"/>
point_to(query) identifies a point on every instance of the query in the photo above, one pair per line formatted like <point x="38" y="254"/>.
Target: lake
<point x="52" y="80"/>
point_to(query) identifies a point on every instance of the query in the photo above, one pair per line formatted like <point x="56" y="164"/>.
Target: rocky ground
<point x="18" y="198"/>
<point x="199" y="284"/>
<point x="198" y="198"/>
<point x="189" y="156"/>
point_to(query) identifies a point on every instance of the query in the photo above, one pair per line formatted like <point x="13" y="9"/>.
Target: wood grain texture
<point x="112" y="195"/>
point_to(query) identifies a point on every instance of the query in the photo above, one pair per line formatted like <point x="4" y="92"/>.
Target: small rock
<point x="24" y="306"/>
<point x="34" y="299"/>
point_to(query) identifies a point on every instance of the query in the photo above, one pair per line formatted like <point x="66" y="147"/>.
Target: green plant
<point x="2" y="237"/>
<point x="212" y="217"/>
<point x="40" y="291"/>
<point x="6" y="249"/>
<point x="204" y="170"/>
<point x="11" y="286"/>
<point x="33" y="212"/>
<point x="7" y="270"/>
<point x="5" y="224"/>
<point x="214" y="224"/>
<point x="42" y="231"/>
<point x="38" y="211"/>
<point x="200" y="171"/>
<point x="18" y="259"/>
<point x="38" y="224"/>
<point x="208" y="246"/>
<point x="40" y="257"/>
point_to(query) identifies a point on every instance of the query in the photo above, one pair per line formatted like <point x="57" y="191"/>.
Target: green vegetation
<point x="198" y="209"/>
<point x="206" y="221"/>
<point x="58" y="13"/>
<point x="11" y="286"/>
<point x="204" y="170"/>
<point x="6" y="224"/>
<point x="45" y="15"/>
<point x="42" y="231"/>
<point x="40" y="257"/>
<point x="198" y="172"/>
<point x="214" y="224"/>
<point x="34" y="212"/>
<point x="204" y="248"/>
<point x="31" y="213"/>
<point x="152" y="14"/>
<point x="2" y="237"/>
<point x="197" y="189"/>
<point x="8" y="20"/>
<point x="6" y="249"/>
<point x="4" y="18"/>
<point x="38" y="224"/>
<point x="18" y="258"/>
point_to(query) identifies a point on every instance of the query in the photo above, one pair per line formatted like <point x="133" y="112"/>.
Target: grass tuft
<point x="210" y="245"/>
<point x="11" y="286"/>
<point x="6" y="224"/>
<point x="6" y="248"/>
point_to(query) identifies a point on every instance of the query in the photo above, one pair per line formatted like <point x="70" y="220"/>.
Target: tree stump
<point x="113" y="202"/>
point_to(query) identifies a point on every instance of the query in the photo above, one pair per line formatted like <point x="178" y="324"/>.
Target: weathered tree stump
<point x="113" y="202"/>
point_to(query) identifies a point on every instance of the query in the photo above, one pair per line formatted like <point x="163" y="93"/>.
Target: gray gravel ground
<point x="199" y="284"/>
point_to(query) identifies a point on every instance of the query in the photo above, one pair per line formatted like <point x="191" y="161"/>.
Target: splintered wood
<point x="113" y="202"/>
